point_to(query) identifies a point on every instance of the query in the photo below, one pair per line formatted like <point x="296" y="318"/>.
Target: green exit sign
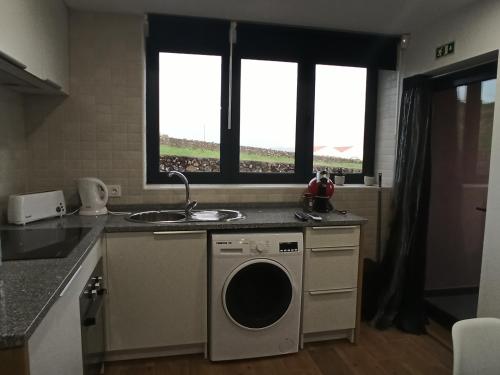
<point x="445" y="49"/>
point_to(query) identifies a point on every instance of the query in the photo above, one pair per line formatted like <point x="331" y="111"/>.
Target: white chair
<point x="476" y="347"/>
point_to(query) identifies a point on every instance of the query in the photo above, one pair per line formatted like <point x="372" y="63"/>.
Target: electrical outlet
<point x="115" y="190"/>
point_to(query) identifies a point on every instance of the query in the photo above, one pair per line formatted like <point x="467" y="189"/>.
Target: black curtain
<point x="402" y="270"/>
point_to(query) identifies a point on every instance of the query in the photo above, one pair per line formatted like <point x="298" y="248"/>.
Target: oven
<point x="92" y="322"/>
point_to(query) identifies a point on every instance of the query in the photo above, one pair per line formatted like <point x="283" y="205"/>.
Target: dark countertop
<point x="28" y="288"/>
<point x="256" y="218"/>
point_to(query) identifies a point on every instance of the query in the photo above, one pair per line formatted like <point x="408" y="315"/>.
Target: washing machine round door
<point x="257" y="294"/>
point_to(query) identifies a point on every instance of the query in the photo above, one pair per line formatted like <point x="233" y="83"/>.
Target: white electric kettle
<point x="94" y="196"/>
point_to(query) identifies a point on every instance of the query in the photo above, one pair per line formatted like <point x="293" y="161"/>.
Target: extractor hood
<point x="13" y="75"/>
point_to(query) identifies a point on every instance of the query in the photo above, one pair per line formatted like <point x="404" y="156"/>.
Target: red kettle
<point x="321" y="188"/>
<point x="321" y="185"/>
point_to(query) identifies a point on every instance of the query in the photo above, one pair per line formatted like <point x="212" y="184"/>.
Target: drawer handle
<point x="331" y="291"/>
<point x="177" y="232"/>
<point x="337" y="227"/>
<point x="326" y="249"/>
<point x="70" y="281"/>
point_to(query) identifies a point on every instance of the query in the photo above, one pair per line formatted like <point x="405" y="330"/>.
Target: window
<point x="272" y="107"/>
<point x="268" y="110"/>
<point x="190" y="94"/>
<point x="339" y="118"/>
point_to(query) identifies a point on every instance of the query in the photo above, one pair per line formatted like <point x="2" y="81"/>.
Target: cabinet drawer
<point x="331" y="268"/>
<point x="336" y="236"/>
<point x="329" y="310"/>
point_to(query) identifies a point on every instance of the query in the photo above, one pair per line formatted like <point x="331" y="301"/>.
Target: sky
<point x="339" y="108"/>
<point x="268" y="106"/>
<point x="190" y="102"/>
<point x="190" y="96"/>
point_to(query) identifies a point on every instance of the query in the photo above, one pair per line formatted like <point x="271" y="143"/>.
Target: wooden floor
<point x="388" y="352"/>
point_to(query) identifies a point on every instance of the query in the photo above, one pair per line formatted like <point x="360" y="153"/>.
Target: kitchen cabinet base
<point x="349" y="334"/>
<point x="122" y="355"/>
<point x="157" y="287"/>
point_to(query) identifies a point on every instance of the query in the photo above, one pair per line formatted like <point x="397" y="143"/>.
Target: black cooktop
<point x="39" y="243"/>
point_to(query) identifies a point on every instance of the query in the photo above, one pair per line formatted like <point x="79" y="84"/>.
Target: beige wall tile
<point x="13" y="150"/>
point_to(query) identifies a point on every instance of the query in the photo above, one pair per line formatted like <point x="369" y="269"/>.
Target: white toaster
<point x="25" y="208"/>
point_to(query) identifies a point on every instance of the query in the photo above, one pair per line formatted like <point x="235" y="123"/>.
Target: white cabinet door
<point x="20" y="24"/>
<point x="329" y="310"/>
<point x="55" y="34"/>
<point x="331" y="268"/>
<point x="35" y="33"/>
<point x="331" y="280"/>
<point x="156" y="289"/>
<point x="337" y="236"/>
<point x="55" y="347"/>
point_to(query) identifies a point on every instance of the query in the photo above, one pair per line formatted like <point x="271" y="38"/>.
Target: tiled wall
<point x="385" y="143"/>
<point x="98" y="130"/>
<point x="12" y="147"/>
<point x="363" y="201"/>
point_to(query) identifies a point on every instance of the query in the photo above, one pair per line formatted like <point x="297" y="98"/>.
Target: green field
<point x="188" y="152"/>
<point x="203" y="153"/>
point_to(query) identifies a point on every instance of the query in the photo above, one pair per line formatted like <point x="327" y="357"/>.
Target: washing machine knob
<point x="260" y="247"/>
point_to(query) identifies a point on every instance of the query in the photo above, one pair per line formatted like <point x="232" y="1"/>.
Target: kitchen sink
<point x="215" y="215"/>
<point x="157" y="217"/>
<point x="179" y="216"/>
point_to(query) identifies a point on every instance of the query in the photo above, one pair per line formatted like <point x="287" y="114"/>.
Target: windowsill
<point x="247" y="186"/>
<point x="355" y="186"/>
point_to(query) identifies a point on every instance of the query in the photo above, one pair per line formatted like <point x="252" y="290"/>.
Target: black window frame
<point x="263" y="42"/>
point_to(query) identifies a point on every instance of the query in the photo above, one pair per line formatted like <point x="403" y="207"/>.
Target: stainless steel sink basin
<point x="215" y="215"/>
<point x="179" y="216"/>
<point x="157" y="217"/>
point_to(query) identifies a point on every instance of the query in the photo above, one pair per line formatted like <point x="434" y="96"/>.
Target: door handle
<point x="330" y="291"/>
<point x="482" y="209"/>
<point x="330" y="249"/>
<point x="179" y="232"/>
<point x="337" y="227"/>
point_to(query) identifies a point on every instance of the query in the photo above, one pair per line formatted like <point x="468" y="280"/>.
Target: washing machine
<point x="255" y="294"/>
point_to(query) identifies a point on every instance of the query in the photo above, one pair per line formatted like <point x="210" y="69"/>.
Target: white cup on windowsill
<point x="339" y="180"/>
<point x="369" y="180"/>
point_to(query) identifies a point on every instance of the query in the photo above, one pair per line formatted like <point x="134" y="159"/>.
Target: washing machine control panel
<point x="289" y="247"/>
<point x="263" y="247"/>
<point x="260" y="246"/>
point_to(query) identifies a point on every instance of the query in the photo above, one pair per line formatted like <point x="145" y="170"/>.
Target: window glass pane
<point x="190" y="102"/>
<point x="268" y="116"/>
<point x="339" y="118"/>
<point x="488" y="94"/>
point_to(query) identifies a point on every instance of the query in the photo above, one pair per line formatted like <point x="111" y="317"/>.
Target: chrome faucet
<point x="189" y="204"/>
